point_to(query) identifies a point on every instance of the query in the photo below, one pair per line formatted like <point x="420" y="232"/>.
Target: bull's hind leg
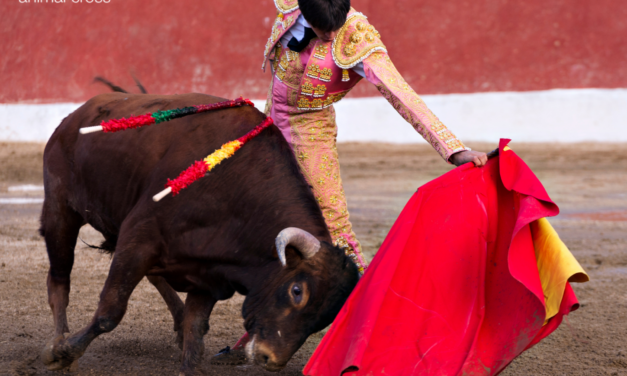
<point x="174" y="303"/>
<point x="198" y="307"/>
<point x="130" y="264"/>
<point x="59" y="226"/>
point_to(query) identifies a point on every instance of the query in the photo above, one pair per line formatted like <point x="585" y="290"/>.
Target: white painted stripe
<point x="20" y="201"/>
<point x="32" y="122"/>
<point x="572" y="115"/>
<point x="26" y="188"/>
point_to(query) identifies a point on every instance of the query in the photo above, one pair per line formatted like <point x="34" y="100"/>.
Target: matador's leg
<point x="314" y="143"/>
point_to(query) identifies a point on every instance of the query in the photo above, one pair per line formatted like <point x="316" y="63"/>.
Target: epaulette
<point x="355" y="41"/>
<point x="286" y="6"/>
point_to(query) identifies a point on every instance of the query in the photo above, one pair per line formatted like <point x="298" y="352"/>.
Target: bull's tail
<point x="110" y="84"/>
<point x="118" y="89"/>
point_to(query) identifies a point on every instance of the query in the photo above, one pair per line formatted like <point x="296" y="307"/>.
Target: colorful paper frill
<point x="200" y="168"/>
<point x="115" y="125"/>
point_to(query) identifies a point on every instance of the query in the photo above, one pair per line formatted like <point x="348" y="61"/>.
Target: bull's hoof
<point x="179" y="338"/>
<point x="54" y="357"/>
<point x="228" y="357"/>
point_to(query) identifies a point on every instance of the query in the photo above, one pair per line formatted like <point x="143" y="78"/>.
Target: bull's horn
<point x="306" y="243"/>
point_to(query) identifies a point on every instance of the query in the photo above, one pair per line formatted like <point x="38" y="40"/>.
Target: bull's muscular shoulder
<point x="355" y="41"/>
<point x="286" y="6"/>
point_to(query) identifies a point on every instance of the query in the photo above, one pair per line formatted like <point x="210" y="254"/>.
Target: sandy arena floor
<point x="588" y="181"/>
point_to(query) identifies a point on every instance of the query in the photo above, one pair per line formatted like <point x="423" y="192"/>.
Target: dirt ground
<point x="588" y="181"/>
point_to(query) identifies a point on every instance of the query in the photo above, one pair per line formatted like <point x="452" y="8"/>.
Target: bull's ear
<point x="303" y="241"/>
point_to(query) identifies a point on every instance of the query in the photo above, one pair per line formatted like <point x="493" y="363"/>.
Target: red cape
<point x="455" y="287"/>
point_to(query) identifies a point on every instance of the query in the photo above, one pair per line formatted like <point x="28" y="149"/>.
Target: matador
<point x="318" y="51"/>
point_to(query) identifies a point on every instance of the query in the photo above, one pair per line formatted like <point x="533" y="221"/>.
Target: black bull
<point x="217" y="237"/>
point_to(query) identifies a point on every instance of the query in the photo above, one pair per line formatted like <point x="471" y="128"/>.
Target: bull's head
<point x="303" y="298"/>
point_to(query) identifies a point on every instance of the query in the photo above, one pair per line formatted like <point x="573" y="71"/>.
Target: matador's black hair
<point x="326" y="15"/>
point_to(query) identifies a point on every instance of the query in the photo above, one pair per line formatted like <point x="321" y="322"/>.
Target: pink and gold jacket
<point x="327" y="75"/>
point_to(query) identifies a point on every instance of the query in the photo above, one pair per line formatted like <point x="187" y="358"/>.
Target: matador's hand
<point x="476" y="157"/>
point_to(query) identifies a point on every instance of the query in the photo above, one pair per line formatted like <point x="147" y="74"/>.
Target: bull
<point x="251" y="226"/>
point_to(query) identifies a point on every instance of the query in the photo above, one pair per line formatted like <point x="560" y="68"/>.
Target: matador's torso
<point x="323" y="73"/>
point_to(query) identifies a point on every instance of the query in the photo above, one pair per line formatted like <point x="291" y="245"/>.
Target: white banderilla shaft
<point x="86" y="130"/>
<point x="162" y="194"/>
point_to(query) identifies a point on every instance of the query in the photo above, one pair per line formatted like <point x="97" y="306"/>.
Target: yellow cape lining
<point x="556" y="265"/>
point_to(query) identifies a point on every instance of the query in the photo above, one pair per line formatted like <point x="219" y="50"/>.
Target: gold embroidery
<point x="304" y="104"/>
<point x="290" y="20"/>
<point x="268" y="108"/>
<point x="356" y="37"/>
<point x="345" y="76"/>
<point x="456" y="145"/>
<point x="321" y="52"/>
<point x="291" y="55"/>
<point x="321" y="168"/>
<point x="409" y="105"/>
<point x="290" y="72"/>
<point x="350" y="50"/>
<point x="316" y="104"/>
<point x="307" y="89"/>
<point x="313" y="70"/>
<point x="446" y="135"/>
<point x="325" y="74"/>
<point x="280" y="74"/>
<point x="437" y="126"/>
<point x="280" y="24"/>
<point x="351" y="46"/>
<point x="286" y="6"/>
<point x="284" y="63"/>
<point x="275" y="33"/>
<point x="320" y="91"/>
<point x="275" y="65"/>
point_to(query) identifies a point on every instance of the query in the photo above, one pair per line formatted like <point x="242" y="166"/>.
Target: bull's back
<point x="106" y="175"/>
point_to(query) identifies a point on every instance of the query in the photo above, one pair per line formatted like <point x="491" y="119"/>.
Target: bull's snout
<point x="264" y="356"/>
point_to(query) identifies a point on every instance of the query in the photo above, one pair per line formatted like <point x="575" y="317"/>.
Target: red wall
<point x="51" y="52"/>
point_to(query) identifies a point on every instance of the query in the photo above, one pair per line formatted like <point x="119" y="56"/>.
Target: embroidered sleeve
<point x="381" y="72"/>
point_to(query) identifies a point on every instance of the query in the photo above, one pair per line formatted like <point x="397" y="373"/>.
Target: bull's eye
<point x="299" y="294"/>
<point x="296" y="291"/>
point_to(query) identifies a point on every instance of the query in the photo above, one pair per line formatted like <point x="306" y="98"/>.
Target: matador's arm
<point x="381" y="72"/>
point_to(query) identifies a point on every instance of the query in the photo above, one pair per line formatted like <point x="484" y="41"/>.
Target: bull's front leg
<point x="128" y="268"/>
<point x="198" y="307"/>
